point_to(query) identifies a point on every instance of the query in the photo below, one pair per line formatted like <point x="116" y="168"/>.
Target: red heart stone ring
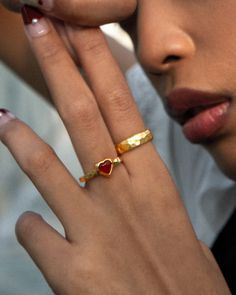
<point x="104" y="168"/>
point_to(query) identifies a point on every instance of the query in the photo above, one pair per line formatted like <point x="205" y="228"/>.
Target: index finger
<point x="86" y="12"/>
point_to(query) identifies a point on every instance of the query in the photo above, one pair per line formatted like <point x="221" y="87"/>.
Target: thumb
<point x="86" y="12"/>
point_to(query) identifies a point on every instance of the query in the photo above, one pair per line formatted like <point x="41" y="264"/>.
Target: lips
<point x="202" y="114"/>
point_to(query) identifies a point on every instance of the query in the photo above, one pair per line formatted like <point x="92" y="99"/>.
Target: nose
<point x="162" y="45"/>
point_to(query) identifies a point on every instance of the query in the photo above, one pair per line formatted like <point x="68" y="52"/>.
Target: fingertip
<point x="5" y="117"/>
<point x="36" y="24"/>
<point x="26" y="224"/>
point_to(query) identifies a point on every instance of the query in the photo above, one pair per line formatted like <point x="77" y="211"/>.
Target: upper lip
<point x="183" y="103"/>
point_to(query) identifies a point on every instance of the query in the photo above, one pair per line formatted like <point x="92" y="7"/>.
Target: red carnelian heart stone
<point x="105" y="167"/>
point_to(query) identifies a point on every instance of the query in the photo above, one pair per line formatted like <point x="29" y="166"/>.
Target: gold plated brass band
<point x="103" y="168"/>
<point x="134" y="142"/>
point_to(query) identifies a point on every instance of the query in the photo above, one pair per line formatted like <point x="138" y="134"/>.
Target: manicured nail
<point x="5" y="116"/>
<point x="35" y="23"/>
<point x="46" y="5"/>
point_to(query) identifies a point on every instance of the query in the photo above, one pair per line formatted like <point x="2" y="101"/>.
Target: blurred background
<point x="115" y="32"/>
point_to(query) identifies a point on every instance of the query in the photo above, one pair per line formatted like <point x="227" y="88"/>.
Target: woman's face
<point x="188" y="50"/>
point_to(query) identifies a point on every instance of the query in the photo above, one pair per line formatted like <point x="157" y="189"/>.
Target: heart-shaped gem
<point x="105" y="167"/>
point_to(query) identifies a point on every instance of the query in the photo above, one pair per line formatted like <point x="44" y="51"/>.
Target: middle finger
<point x="71" y="95"/>
<point x="116" y="103"/>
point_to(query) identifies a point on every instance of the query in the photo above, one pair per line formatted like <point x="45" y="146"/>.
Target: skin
<point x="184" y="30"/>
<point x="139" y="238"/>
<point x="86" y="13"/>
<point x="16" y="53"/>
<point x="111" y="244"/>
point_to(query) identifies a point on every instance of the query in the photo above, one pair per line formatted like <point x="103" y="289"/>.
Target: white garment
<point x="208" y="195"/>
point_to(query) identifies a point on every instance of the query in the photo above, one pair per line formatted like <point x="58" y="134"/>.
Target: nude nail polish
<point x="46" y="5"/>
<point x="5" y="116"/>
<point x="35" y="23"/>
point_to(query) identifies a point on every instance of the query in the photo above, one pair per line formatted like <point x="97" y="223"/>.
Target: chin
<point x="224" y="154"/>
<point x="228" y="169"/>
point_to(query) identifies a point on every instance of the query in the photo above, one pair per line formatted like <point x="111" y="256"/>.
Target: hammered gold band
<point x="134" y="142"/>
<point x="104" y="168"/>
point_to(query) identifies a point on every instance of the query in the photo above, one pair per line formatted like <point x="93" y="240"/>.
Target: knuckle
<point x="120" y="101"/>
<point x="51" y="52"/>
<point x="93" y="45"/>
<point x="84" y="112"/>
<point x="25" y="225"/>
<point x="39" y="161"/>
<point x="83" y="274"/>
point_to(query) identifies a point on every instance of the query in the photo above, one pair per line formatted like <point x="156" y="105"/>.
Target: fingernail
<point x="46" y="5"/>
<point x="5" y="116"/>
<point x="35" y="23"/>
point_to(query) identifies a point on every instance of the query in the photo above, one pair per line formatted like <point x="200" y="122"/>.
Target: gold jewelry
<point x="104" y="168"/>
<point x="134" y="141"/>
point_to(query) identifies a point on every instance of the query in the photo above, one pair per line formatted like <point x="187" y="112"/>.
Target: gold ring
<point x="134" y="141"/>
<point x="104" y="168"/>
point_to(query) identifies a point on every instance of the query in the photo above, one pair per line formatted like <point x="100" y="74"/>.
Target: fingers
<point x="76" y="103"/>
<point x="113" y="96"/>
<point x="71" y="95"/>
<point x="107" y="82"/>
<point x="49" y="175"/>
<point x="46" y="246"/>
<point x="86" y="12"/>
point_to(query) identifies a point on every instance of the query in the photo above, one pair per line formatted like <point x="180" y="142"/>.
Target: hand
<point x="127" y="234"/>
<point x="88" y="13"/>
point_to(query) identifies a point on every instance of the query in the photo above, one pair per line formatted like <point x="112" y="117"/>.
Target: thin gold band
<point x="134" y="142"/>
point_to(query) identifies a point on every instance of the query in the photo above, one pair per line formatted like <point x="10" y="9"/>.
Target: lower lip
<point x="205" y="125"/>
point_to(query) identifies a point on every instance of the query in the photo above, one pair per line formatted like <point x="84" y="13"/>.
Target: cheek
<point x="215" y="39"/>
<point x="214" y="64"/>
<point x="217" y="63"/>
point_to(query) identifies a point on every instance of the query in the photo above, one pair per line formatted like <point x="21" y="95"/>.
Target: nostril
<point x="171" y="58"/>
